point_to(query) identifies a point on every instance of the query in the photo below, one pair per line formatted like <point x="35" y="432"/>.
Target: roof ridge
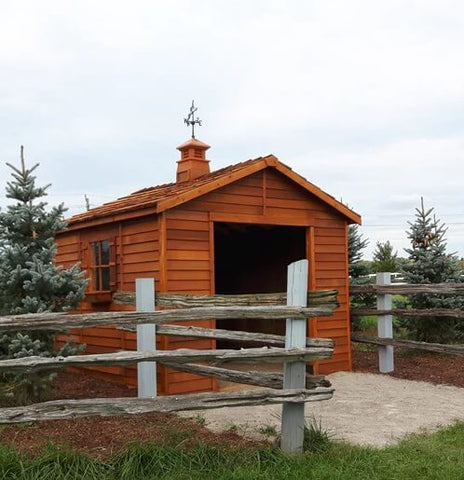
<point x="163" y="196"/>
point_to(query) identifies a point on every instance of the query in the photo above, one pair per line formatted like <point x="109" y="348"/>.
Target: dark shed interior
<point x="254" y="259"/>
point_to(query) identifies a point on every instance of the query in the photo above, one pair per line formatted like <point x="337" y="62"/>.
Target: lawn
<point x="427" y="456"/>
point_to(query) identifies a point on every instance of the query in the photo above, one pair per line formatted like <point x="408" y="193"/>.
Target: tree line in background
<point x="427" y="262"/>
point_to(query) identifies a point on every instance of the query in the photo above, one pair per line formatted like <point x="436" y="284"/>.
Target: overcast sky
<point x="363" y="98"/>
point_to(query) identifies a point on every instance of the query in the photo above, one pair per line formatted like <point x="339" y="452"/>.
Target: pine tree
<point x="358" y="272"/>
<point x="356" y="245"/>
<point x="29" y="280"/>
<point x="384" y="260"/>
<point x="429" y="263"/>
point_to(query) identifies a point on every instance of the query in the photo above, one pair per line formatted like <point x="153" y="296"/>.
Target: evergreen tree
<point x="384" y="260"/>
<point x="358" y="271"/>
<point x="356" y="245"/>
<point x="429" y="263"/>
<point x="30" y="282"/>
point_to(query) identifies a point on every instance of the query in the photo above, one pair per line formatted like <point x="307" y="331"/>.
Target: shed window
<point x="103" y="265"/>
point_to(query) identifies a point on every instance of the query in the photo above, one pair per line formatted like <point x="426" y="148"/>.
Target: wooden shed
<point x="229" y="231"/>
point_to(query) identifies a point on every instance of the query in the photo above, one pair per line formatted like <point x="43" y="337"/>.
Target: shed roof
<point x="163" y="197"/>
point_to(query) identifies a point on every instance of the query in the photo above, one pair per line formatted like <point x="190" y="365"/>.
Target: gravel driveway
<point x="367" y="409"/>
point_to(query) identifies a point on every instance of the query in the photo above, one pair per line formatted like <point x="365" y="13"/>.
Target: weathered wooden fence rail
<point x="412" y="344"/>
<point x="409" y="312"/>
<point x="173" y="300"/>
<point x="64" y="321"/>
<point x="293" y="388"/>
<point x="61" y="409"/>
<point x="252" y="377"/>
<point x="234" y="335"/>
<point x="410" y="289"/>
<point x="383" y="290"/>
<point x="183" y="355"/>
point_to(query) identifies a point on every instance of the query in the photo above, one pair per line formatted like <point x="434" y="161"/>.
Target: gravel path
<point x="367" y="409"/>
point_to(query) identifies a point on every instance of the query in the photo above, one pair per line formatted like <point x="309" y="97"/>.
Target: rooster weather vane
<point x="191" y="120"/>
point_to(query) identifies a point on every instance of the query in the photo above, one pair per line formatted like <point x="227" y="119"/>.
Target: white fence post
<point x="385" y="325"/>
<point x="146" y="337"/>
<point x="295" y="372"/>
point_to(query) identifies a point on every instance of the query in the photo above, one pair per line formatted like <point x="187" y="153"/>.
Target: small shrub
<point x="316" y="438"/>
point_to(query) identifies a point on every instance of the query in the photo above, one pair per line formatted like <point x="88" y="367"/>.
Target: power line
<point x="402" y="225"/>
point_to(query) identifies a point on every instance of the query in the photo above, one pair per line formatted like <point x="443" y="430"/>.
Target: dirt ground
<point x="412" y="365"/>
<point x="367" y="408"/>
<point x="103" y="436"/>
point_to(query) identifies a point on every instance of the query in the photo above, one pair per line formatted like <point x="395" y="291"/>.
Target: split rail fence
<point x="294" y="388"/>
<point x="383" y="289"/>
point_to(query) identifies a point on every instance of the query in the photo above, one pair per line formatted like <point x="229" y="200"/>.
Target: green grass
<point x="316" y="438"/>
<point x="368" y="323"/>
<point x="425" y="457"/>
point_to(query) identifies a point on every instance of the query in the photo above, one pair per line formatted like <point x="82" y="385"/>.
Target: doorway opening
<point x="254" y="259"/>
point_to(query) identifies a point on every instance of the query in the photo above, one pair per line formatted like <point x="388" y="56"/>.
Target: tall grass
<point x="434" y="456"/>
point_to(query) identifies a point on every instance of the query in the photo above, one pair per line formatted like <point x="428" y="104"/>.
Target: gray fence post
<point x="385" y="325"/>
<point x="295" y="372"/>
<point x="146" y="337"/>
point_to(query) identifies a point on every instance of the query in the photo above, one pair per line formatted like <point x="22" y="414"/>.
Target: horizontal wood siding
<point x="286" y="199"/>
<point x="188" y="251"/>
<point x="244" y="197"/>
<point x="188" y="270"/>
<point x="271" y="196"/>
<point x="106" y="340"/>
<point x="139" y="250"/>
<point x="332" y="272"/>
<point x="67" y="249"/>
<point x="137" y="256"/>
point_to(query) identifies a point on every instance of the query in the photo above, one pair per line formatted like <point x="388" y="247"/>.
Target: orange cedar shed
<point x="233" y="230"/>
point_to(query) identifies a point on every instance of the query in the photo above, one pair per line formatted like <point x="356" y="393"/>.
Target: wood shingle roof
<point x="163" y="197"/>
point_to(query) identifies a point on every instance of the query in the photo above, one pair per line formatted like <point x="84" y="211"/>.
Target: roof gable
<point x="164" y="197"/>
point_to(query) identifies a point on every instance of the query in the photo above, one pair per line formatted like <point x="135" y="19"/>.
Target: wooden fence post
<point x="146" y="337"/>
<point x="385" y="325"/>
<point x="295" y="372"/>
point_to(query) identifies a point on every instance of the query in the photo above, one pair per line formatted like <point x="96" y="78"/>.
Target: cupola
<point x="192" y="163"/>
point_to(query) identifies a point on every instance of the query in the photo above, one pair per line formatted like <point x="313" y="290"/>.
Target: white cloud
<point x="385" y="184"/>
<point x="364" y="98"/>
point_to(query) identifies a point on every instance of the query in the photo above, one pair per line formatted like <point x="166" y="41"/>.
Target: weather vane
<point x="191" y="120"/>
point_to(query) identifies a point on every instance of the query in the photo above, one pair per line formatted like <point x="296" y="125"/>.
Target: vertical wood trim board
<point x="163" y="285"/>
<point x="311" y="256"/>
<point x="347" y="314"/>
<point x="264" y="191"/>
<point x="212" y="268"/>
<point x="162" y="253"/>
<point x="121" y="258"/>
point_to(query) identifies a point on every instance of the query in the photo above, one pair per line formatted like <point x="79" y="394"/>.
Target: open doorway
<point x="254" y="259"/>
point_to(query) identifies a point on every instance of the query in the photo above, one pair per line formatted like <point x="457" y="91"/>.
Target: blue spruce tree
<point x="429" y="262"/>
<point x="30" y="282"/>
